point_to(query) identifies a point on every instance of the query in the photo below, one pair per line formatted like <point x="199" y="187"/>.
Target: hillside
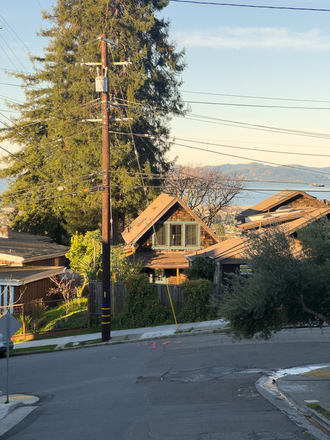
<point x="257" y="171"/>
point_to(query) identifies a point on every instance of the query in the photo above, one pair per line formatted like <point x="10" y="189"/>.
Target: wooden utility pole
<point x="106" y="245"/>
<point x="101" y="85"/>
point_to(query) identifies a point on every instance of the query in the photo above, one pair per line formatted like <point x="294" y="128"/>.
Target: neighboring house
<point x="22" y="249"/>
<point x="162" y="235"/>
<point x="26" y="263"/>
<point x="25" y="284"/>
<point x="293" y="209"/>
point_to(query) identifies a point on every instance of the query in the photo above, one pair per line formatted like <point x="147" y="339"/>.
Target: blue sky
<point x="254" y="77"/>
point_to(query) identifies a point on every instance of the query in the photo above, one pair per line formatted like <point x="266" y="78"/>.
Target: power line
<point x="257" y="105"/>
<point x="255" y="149"/>
<point x="247" y="158"/>
<point x="6" y="84"/>
<point x="27" y="163"/>
<point x="259" y="127"/>
<point x="289" y="8"/>
<point x="254" y="97"/>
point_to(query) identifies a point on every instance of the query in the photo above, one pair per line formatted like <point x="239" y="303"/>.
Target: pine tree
<point x="60" y="155"/>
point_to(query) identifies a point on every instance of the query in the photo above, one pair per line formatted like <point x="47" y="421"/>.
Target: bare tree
<point x="205" y="190"/>
<point x="64" y="286"/>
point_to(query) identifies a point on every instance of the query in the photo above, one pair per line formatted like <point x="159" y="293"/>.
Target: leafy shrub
<point x="141" y="308"/>
<point x="201" y="268"/>
<point x="197" y="298"/>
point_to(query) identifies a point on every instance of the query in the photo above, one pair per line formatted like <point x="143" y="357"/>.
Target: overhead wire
<point x="253" y="149"/>
<point x="288" y="8"/>
<point x="229" y="104"/>
<point x="272" y="98"/>
<point x="259" y="127"/>
<point x="246" y="158"/>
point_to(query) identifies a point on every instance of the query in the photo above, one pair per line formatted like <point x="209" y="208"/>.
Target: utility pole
<point x="106" y="234"/>
<point x="101" y="85"/>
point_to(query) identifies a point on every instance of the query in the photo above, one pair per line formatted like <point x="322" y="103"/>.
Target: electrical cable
<point x="258" y="127"/>
<point x="289" y="8"/>
<point x="256" y="105"/>
<point x="246" y="158"/>
<point x="254" y="97"/>
<point x="254" y="149"/>
<point x="27" y="163"/>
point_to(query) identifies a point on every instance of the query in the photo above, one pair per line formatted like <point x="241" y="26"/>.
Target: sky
<point x="257" y="78"/>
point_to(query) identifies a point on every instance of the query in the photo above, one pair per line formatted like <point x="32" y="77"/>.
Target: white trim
<point x="30" y="279"/>
<point x="43" y="257"/>
<point x="9" y="257"/>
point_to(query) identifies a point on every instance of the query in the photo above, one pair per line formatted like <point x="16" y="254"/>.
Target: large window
<point x="161" y="234"/>
<point x="191" y="235"/>
<point x="176" y="235"/>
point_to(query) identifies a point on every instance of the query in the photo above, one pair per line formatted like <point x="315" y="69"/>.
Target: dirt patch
<point x="316" y="373"/>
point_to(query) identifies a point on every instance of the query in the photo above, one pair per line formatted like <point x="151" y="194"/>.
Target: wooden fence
<point x="119" y="291"/>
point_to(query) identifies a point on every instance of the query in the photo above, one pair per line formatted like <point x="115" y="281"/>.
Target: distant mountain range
<point x="293" y="173"/>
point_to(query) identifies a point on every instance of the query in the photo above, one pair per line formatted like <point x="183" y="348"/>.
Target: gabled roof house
<point x="163" y="233"/>
<point x="26" y="263"/>
<point x="293" y="209"/>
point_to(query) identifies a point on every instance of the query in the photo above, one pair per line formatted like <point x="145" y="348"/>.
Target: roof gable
<point x="276" y="201"/>
<point x="155" y="211"/>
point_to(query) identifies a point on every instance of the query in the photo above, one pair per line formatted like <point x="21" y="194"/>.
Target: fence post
<point x="89" y="311"/>
<point x="23" y="316"/>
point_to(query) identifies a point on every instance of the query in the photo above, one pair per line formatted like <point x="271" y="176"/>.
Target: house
<point x="20" y="285"/>
<point x="293" y="209"/>
<point x="26" y="263"/>
<point x="161" y="236"/>
<point x="22" y="249"/>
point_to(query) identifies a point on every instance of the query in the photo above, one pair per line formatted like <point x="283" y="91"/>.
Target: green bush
<point x="197" y="298"/>
<point x="142" y="307"/>
<point x="201" y="268"/>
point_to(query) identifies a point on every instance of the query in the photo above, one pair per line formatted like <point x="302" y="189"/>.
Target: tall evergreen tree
<point x="60" y="155"/>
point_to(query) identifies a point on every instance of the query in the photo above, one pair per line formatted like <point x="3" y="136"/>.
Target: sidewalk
<point x="308" y="389"/>
<point x="300" y="386"/>
<point x="118" y="336"/>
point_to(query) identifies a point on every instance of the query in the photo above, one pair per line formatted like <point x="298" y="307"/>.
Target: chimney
<point x="5" y="231"/>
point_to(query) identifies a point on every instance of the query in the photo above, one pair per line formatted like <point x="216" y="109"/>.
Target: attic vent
<point x="141" y="221"/>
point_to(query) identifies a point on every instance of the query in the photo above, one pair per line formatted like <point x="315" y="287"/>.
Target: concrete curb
<point x="304" y="409"/>
<point x="191" y="331"/>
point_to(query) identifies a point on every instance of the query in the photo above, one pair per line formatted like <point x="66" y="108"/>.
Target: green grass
<point x="316" y="407"/>
<point x="57" y="319"/>
<point x="29" y="349"/>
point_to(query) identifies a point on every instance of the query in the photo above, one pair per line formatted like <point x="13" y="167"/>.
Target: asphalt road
<point x="184" y="388"/>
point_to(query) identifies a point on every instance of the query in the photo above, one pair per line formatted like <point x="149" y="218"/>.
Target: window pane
<point x="176" y="235"/>
<point x="191" y="235"/>
<point x="161" y="235"/>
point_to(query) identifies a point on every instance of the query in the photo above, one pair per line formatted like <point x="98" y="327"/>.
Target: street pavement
<point x="300" y="387"/>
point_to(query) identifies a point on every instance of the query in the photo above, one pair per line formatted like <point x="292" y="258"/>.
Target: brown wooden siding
<point x="36" y="290"/>
<point x="56" y="261"/>
<point x="206" y="239"/>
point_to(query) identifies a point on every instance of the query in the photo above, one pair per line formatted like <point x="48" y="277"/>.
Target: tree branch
<point x="313" y="313"/>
